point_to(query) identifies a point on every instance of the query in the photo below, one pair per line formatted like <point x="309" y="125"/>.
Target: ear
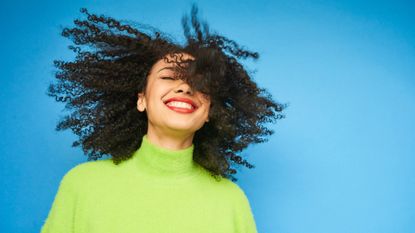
<point x="141" y="103"/>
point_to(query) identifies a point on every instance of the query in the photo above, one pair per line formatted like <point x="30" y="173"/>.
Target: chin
<point x="183" y="126"/>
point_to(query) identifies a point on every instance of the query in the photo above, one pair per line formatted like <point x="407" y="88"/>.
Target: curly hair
<point x="111" y="66"/>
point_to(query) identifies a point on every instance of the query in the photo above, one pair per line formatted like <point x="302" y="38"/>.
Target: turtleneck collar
<point x="164" y="163"/>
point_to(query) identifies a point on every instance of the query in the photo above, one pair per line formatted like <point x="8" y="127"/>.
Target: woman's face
<point x="170" y="103"/>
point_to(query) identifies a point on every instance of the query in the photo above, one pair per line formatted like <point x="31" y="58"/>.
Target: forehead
<point x="171" y="60"/>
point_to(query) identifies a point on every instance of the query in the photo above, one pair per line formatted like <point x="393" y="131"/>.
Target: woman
<point x="172" y="117"/>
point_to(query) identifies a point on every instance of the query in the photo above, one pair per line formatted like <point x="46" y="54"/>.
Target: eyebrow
<point x="168" y="68"/>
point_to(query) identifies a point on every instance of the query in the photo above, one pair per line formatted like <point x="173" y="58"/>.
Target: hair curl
<point x="101" y="88"/>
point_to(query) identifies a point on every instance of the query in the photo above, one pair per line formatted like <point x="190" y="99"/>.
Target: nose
<point x="184" y="87"/>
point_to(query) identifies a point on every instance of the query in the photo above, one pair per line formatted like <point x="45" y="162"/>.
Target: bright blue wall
<point x="342" y="161"/>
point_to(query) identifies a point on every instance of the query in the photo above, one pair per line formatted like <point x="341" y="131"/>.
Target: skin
<point x="168" y="128"/>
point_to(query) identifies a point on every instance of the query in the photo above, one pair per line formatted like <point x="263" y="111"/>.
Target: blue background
<point x="343" y="159"/>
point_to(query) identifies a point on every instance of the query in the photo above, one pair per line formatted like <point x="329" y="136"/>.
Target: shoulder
<point x="240" y="202"/>
<point x="226" y="188"/>
<point x="90" y="172"/>
<point x="88" y="168"/>
<point x="236" y="192"/>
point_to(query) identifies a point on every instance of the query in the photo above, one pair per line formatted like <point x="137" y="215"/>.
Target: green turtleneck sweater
<point x="156" y="190"/>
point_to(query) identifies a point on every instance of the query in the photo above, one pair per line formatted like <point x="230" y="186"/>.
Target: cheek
<point x="208" y="104"/>
<point x="207" y="109"/>
<point x="155" y="94"/>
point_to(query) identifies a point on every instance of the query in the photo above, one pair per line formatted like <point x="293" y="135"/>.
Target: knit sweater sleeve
<point x="245" y="221"/>
<point x="61" y="215"/>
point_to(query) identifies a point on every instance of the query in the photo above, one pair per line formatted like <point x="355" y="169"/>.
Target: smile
<point x="180" y="107"/>
<point x="178" y="104"/>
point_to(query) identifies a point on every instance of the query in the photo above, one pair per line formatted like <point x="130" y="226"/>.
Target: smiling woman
<point x="173" y="119"/>
<point x="174" y="109"/>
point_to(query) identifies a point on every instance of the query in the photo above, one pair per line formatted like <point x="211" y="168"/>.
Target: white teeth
<point x="180" y="104"/>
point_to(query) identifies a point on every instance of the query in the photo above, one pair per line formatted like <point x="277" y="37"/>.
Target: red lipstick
<point x="181" y="110"/>
<point x="181" y="99"/>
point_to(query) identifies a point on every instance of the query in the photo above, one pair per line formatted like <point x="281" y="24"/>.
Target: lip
<point x="181" y="99"/>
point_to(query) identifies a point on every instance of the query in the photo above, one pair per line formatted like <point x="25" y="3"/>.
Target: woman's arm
<point x="61" y="215"/>
<point x="245" y="222"/>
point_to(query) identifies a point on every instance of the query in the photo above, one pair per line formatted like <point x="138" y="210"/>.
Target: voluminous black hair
<point x="111" y="66"/>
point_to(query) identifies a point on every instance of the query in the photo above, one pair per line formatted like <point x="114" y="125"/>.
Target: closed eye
<point x="168" y="78"/>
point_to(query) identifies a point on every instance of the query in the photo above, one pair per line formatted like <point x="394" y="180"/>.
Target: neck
<point x="164" y="164"/>
<point x="174" y="140"/>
